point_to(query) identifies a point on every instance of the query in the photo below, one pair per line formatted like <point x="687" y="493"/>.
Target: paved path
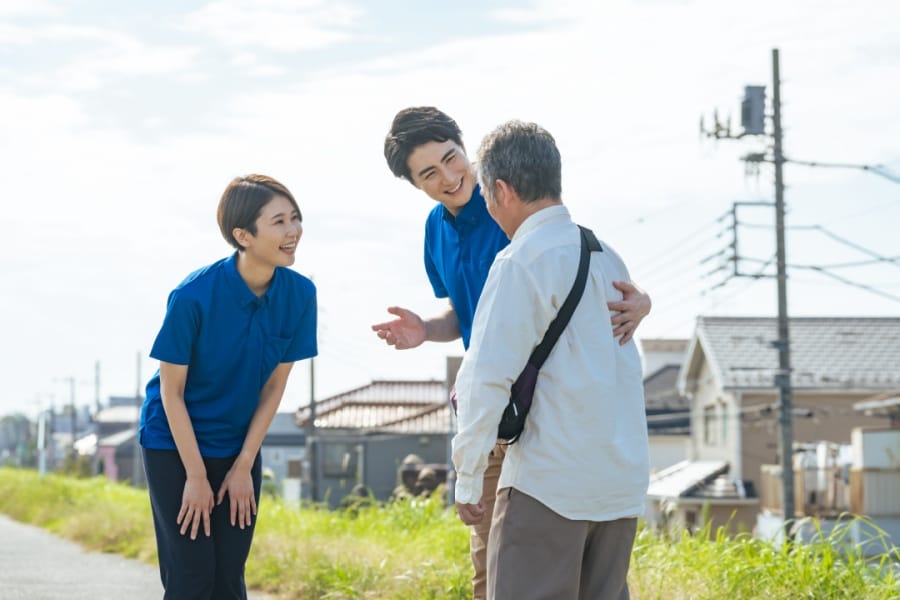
<point x="36" y="565"/>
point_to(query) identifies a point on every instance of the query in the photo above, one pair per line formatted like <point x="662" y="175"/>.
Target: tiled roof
<point x="117" y="439"/>
<point x="434" y="419"/>
<point x="661" y="390"/>
<point x="398" y="406"/>
<point x="826" y="352"/>
<point x="118" y="414"/>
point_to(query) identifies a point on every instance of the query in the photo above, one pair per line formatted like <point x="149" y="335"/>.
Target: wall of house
<point x="667" y="450"/>
<point x="715" y="433"/>
<point x="117" y="463"/>
<point x="384" y="457"/>
<point x="737" y="518"/>
<point x="832" y="420"/>
<point x="344" y="461"/>
<point x="276" y="458"/>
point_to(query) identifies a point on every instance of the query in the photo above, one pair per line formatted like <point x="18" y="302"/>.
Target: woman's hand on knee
<point x="196" y="505"/>
<point x="242" y="502"/>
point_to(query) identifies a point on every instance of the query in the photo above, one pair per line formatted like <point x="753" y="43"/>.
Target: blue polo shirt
<point x="459" y="252"/>
<point x="231" y="341"/>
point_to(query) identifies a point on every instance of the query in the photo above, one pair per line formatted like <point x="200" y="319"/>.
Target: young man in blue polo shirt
<point x="424" y="146"/>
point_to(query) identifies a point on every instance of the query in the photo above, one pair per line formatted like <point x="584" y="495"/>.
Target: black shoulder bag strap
<point x="512" y="422"/>
<point x="589" y="243"/>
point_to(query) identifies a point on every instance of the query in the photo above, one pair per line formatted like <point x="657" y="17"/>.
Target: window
<point x="338" y="460"/>
<point x="709" y="425"/>
<point x="295" y="468"/>
<point x="723" y="415"/>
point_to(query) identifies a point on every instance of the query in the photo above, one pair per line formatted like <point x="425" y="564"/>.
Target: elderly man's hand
<point x="471" y="514"/>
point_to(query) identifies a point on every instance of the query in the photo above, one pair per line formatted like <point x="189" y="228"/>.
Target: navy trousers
<point x="208" y="567"/>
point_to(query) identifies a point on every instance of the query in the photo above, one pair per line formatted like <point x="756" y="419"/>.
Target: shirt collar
<point x="472" y="212"/>
<point x="545" y="215"/>
<point x="242" y="294"/>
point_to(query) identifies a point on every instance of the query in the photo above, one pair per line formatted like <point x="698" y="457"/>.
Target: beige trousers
<point x="535" y="553"/>
<point x="478" y="541"/>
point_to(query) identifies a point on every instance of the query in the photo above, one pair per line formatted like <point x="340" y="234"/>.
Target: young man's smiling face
<point x="442" y="170"/>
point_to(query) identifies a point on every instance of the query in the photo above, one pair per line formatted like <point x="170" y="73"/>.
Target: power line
<point x="677" y="245"/>
<point x="846" y="265"/>
<point x="751" y="280"/>
<point x="846" y="281"/>
<point x="861" y="213"/>
<point x="846" y="242"/>
<point x="879" y="258"/>
<point x="876" y="169"/>
<point x="859" y="263"/>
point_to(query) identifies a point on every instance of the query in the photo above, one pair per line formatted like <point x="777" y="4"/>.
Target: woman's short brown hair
<point x="243" y="201"/>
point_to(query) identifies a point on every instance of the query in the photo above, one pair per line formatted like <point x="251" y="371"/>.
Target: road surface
<point x="37" y="565"/>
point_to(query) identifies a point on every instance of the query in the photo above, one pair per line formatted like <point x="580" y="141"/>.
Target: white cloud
<point x="127" y="59"/>
<point x="280" y="25"/>
<point x="29" y="8"/>
<point x="106" y="54"/>
<point x="60" y="32"/>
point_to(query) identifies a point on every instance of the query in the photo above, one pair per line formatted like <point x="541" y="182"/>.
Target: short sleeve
<point x="304" y="342"/>
<point x="434" y="276"/>
<point x="175" y="341"/>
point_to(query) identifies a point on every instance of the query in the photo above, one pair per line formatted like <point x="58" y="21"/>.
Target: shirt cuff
<point x="468" y="489"/>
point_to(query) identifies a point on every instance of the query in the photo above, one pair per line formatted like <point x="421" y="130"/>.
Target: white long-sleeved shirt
<point x="584" y="451"/>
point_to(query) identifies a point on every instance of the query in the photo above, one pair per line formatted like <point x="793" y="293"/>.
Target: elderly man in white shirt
<point x="574" y="484"/>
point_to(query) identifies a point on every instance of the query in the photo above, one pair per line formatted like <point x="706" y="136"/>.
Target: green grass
<point x="742" y="568"/>
<point x="418" y="550"/>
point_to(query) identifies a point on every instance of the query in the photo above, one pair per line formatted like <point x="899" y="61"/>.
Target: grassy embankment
<point x="418" y="550"/>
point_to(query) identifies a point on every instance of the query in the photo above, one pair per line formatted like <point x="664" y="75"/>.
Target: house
<point x="833" y="481"/>
<point x="668" y="411"/>
<point x="123" y="412"/>
<point x="283" y="450"/>
<point x="362" y="436"/>
<point x="113" y="444"/>
<point x="687" y="494"/>
<point x="116" y="454"/>
<point x="728" y="377"/>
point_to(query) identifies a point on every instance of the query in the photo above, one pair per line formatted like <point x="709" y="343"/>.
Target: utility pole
<point x="753" y="122"/>
<point x="783" y="378"/>
<point x="72" y="416"/>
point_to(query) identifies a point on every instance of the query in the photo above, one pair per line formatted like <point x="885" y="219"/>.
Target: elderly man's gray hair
<point x="525" y="156"/>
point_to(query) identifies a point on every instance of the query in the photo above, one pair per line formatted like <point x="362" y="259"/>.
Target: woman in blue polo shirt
<point x="231" y="333"/>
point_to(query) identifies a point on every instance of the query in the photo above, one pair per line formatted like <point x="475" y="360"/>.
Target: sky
<point x="121" y="124"/>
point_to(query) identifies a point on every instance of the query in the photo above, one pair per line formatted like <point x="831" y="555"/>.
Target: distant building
<point x="668" y="411"/>
<point x="116" y="455"/>
<point x="116" y="447"/>
<point x="284" y="449"/>
<point x="121" y="414"/>
<point x="363" y="435"/>
<point x="728" y="377"/>
<point x="683" y="495"/>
